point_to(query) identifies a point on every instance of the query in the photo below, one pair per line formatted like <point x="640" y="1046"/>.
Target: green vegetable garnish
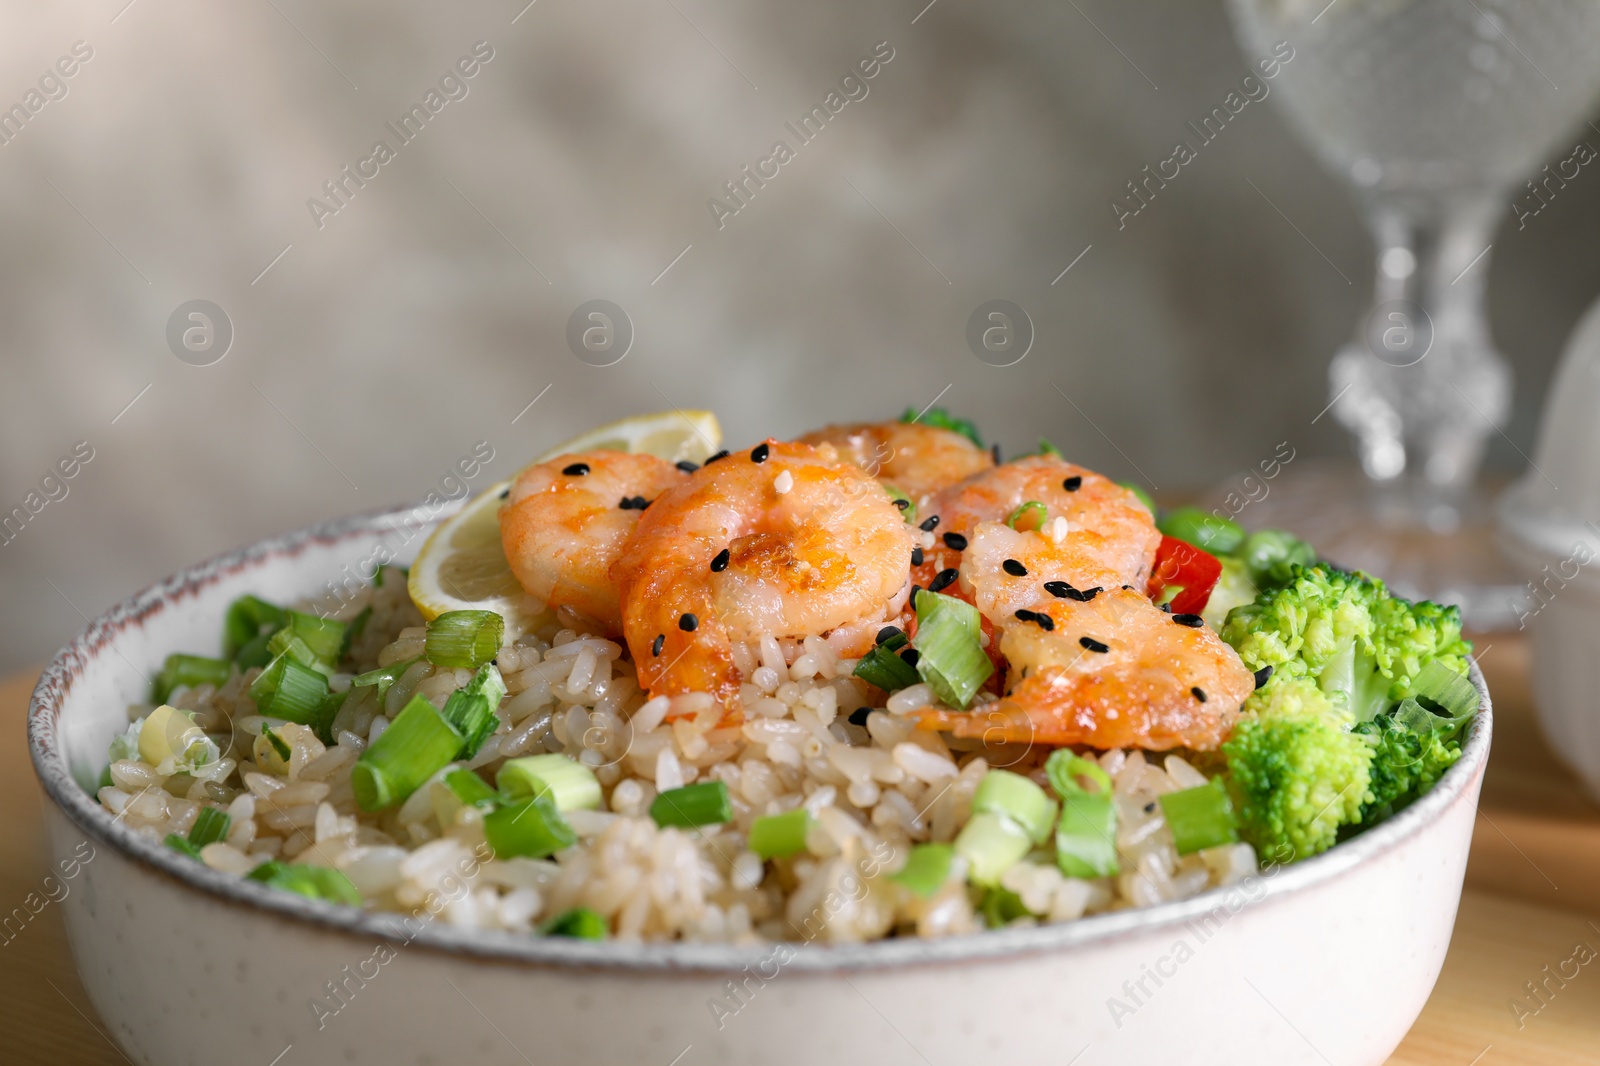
<point x="417" y="744"/>
<point x="774" y="836"/>
<point x="939" y="417"/>
<point x="950" y="659"/>
<point x="464" y="639"/>
<point x="1219" y="536"/>
<point x="1200" y="817"/>
<point x="704" y="803"/>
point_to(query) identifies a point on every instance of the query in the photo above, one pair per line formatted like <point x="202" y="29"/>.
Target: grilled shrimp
<point x="1100" y="519"/>
<point x="565" y="522"/>
<point x="1096" y="664"/>
<point x="787" y="540"/>
<point x="915" y="458"/>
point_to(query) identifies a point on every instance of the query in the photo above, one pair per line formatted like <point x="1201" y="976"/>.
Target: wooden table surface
<point x="1532" y="898"/>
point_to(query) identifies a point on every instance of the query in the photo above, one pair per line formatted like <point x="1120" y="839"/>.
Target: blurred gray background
<point x="371" y="353"/>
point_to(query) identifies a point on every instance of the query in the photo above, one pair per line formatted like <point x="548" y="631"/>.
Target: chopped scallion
<point x="883" y="667"/>
<point x="1200" y="817"/>
<point x="255" y="652"/>
<point x="279" y="746"/>
<point x="247" y="618"/>
<point x="704" y="803"/>
<point x="464" y="639"/>
<point x="1048" y="449"/>
<point x="774" y="836"/>
<point x="188" y="671"/>
<point x="291" y="691"/>
<point x="580" y="922"/>
<point x="1031" y="515"/>
<point x="942" y="419"/>
<point x="210" y="826"/>
<point x="287" y="642"/>
<point x="472" y="717"/>
<point x="532" y="828"/>
<point x="417" y="744"/>
<point x="179" y="844"/>
<point x="324" y="636"/>
<point x="991" y="843"/>
<point x="313" y="882"/>
<point x="950" y="659"/>
<point x="1001" y="906"/>
<point x="569" y="784"/>
<point x="1016" y="797"/>
<point x="926" y="869"/>
<point x="384" y="676"/>
<point x="1087" y="833"/>
<point x="471" y="789"/>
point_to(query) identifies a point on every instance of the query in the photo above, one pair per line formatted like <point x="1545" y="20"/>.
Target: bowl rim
<point x="99" y="639"/>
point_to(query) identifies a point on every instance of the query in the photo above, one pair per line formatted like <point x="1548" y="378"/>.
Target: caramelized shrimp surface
<point x="785" y="539"/>
<point x="1091" y="663"/>
<point x="917" y="459"/>
<point x="565" y="523"/>
<point x="1100" y="518"/>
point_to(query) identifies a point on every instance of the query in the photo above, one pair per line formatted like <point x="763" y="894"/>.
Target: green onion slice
<point x="569" y="784"/>
<point x="926" y="869"/>
<point x="279" y="745"/>
<point x="287" y="642"/>
<point x="470" y="789"/>
<point x="210" y="826"/>
<point x="531" y="827"/>
<point x="1048" y="449"/>
<point x="290" y="691"/>
<point x="992" y="844"/>
<point x="417" y="745"/>
<point x="255" y="652"/>
<point x="951" y="660"/>
<point x="883" y="667"/>
<point x="464" y="639"/>
<point x="774" y="836"/>
<point x="471" y="708"/>
<point x="908" y="509"/>
<point x="1001" y="906"/>
<point x="1200" y="817"/>
<point x="324" y="636"/>
<point x="384" y="676"/>
<point x="188" y="671"/>
<point x="313" y="882"/>
<point x="942" y="419"/>
<point x="1014" y="796"/>
<point x="1032" y="512"/>
<point x="245" y="621"/>
<point x="1450" y="692"/>
<point x="1086" y="837"/>
<point x="704" y="803"/>
<point x="179" y="844"/>
<point x="580" y="922"/>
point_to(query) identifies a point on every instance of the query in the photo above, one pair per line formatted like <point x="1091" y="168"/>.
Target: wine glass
<point x="1434" y="111"/>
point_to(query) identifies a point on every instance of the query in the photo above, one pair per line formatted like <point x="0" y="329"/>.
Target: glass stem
<point x="1422" y="387"/>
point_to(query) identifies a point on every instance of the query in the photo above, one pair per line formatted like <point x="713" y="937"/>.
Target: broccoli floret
<point x="1296" y="773"/>
<point x="1342" y="630"/>
<point x="1406" y="762"/>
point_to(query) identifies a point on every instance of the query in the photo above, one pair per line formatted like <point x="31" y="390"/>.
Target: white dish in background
<point x="1327" y="961"/>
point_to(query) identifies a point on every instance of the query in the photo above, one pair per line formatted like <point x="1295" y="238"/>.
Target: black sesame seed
<point x="1072" y="484"/>
<point x="929" y="523"/>
<point x="626" y="503"/>
<point x="640" y="503"/>
<point x="1167" y="607"/>
<point x="688" y="623"/>
<point x="504" y="493"/>
<point x="1263" y="675"/>
<point x="1061" y="590"/>
<point x="1199" y="693"/>
<point x="1014" y="568"/>
<point x="886" y="633"/>
<point x="1089" y="594"/>
<point x="994" y="453"/>
<point x="657" y="644"/>
<point x="1193" y="621"/>
<point x="910" y="656"/>
<point x="1046" y="623"/>
<point x="1127" y="588"/>
<point x="859" y="716"/>
<point x="720" y="563"/>
<point x="759" y="453"/>
<point x="686" y="466"/>
<point x="576" y="470"/>
<point x="901" y="502"/>
<point x="1150" y="808"/>
<point x="1025" y="615"/>
<point x="1091" y="644"/>
<point x="916" y="556"/>
<point x="955" y="542"/>
<point x="720" y="455"/>
<point x="943" y="579"/>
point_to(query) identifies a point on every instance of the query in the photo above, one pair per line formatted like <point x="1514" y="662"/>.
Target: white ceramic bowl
<point x="1327" y="961"/>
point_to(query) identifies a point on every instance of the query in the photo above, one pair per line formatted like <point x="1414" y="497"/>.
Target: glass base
<point x="1446" y="554"/>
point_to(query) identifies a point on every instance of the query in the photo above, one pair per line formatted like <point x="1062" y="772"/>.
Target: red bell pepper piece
<point x="1180" y="563"/>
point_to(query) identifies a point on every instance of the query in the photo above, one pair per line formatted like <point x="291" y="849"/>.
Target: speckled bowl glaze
<point x="1327" y="961"/>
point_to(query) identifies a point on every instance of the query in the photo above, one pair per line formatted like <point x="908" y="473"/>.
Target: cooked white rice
<point x="875" y="791"/>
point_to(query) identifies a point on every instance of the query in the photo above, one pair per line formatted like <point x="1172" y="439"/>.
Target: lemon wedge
<point x="463" y="567"/>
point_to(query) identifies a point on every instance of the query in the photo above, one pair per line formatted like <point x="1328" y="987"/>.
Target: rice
<point x="876" y="789"/>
